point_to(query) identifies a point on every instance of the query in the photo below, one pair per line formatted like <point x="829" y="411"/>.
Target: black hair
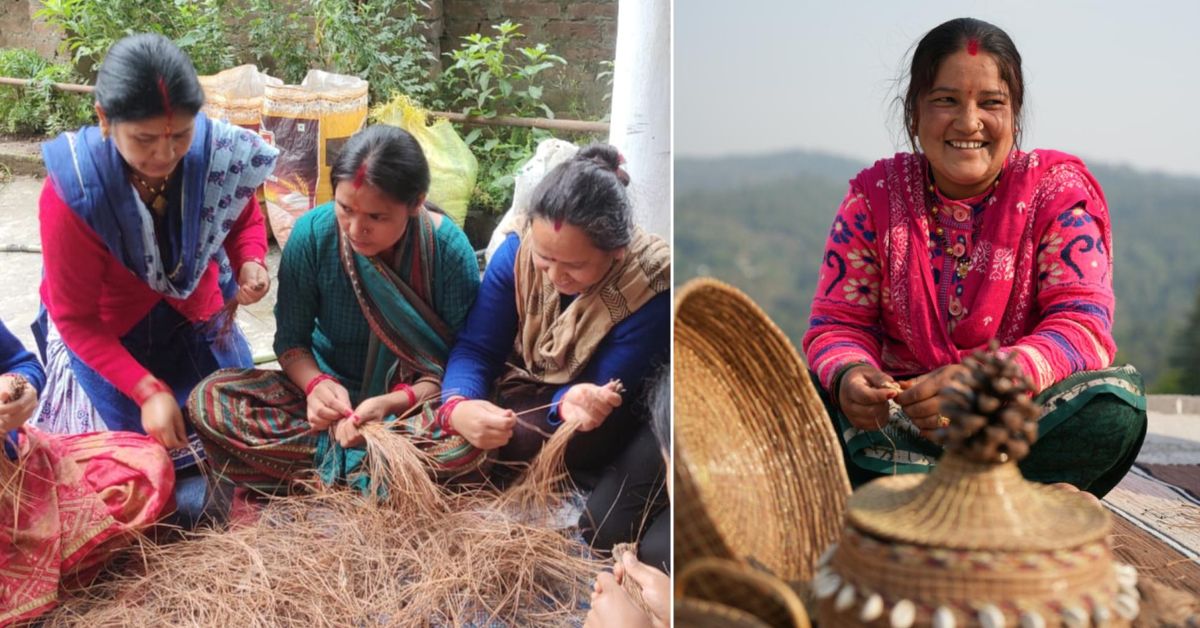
<point x="144" y="76"/>
<point x="392" y="160"/>
<point x="658" y="400"/>
<point x="588" y="191"/>
<point x="948" y="38"/>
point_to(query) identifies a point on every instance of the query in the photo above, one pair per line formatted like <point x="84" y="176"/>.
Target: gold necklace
<point x="963" y="263"/>
<point x="159" y="199"/>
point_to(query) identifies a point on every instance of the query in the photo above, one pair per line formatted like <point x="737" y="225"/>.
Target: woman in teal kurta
<point x="373" y="287"/>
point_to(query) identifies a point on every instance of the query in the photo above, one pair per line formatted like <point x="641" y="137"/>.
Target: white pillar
<point x="641" y="108"/>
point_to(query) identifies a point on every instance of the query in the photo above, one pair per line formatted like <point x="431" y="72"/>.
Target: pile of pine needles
<point x="416" y="553"/>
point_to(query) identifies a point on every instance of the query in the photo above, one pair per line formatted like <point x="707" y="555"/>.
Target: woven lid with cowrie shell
<point x="974" y="543"/>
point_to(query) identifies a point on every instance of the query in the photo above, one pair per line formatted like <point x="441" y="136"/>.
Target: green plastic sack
<point x="452" y="166"/>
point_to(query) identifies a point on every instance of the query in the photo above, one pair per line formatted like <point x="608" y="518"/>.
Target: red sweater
<point x="94" y="300"/>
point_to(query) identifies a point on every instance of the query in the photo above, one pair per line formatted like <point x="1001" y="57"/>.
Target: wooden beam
<point x="550" y="124"/>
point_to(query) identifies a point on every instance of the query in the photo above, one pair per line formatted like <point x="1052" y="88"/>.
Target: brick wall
<point x="583" y="33"/>
<point x="18" y="28"/>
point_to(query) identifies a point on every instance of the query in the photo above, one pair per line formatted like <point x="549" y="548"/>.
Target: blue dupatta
<point x="221" y="170"/>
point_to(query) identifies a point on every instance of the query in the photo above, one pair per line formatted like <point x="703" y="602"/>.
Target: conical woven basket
<point x="973" y="544"/>
<point x="759" y="473"/>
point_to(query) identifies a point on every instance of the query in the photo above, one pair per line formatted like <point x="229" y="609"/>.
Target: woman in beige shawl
<point x="575" y="302"/>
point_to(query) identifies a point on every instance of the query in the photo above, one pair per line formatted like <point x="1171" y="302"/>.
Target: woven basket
<point x="759" y="472"/>
<point x="733" y="585"/>
<point x="693" y="613"/>
<point x="973" y="544"/>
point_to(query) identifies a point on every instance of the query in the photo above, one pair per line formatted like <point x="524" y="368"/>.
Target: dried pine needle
<point x="423" y="555"/>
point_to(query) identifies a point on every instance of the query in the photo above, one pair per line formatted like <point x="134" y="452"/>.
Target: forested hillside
<point x="760" y="223"/>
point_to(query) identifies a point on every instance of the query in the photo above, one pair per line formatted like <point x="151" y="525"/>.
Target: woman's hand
<point x="483" y="423"/>
<point x="328" y="402"/>
<point x="612" y="608"/>
<point x="348" y="433"/>
<point x="162" y="420"/>
<point x="655" y="585"/>
<point x="922" y="397"/>
<point x="15" y="410"/>
<point x="864" y="394"/>
<point x="589" y="404"/>
<point x="253" y="283"/>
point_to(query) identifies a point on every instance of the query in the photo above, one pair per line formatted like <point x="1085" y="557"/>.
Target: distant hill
<point x="760" y="222"/>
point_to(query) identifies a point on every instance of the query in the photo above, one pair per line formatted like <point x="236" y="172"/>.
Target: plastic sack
<point x="550" y="153"/>
<point x="236" y="95"/>
<point x="309" y="123"/>
<point x="452" y="166"/>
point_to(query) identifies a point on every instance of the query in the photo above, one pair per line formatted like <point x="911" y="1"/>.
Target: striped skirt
<point x="255" y="430"/>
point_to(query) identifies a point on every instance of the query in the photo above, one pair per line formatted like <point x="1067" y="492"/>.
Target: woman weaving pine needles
<point x="373" y="288"/>
<point x="578" y="299"/>
<point x="934" y="254"/>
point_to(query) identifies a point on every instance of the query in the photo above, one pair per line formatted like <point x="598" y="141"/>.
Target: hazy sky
<point x="1117" y="81"/>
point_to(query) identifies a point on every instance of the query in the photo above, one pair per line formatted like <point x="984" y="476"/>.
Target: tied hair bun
<point x="608" y="157"/>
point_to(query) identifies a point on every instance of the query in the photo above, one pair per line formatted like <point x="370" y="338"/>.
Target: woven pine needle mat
<point x="1157" y="523"/>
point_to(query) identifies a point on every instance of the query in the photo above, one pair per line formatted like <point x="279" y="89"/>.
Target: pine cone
<point x="992" y="414"/>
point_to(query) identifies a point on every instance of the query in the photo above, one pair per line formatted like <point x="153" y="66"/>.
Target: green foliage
<point x="378" y="40"/>
<point x="91" y="27"/>
<point x="281" y="42"/>
<point x="495" y="76"/>
<point x="39" y="108"/>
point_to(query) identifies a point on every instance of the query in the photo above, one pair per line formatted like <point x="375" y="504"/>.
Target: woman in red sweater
<point x="149" y="226"/>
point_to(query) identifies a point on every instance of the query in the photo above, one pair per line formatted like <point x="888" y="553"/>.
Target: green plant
<point x="377" y="40"/>
<point x="281" y="42"/>
<point x="91" y="27"/>
<point x="490" y="77"/>
<point x="605" y="76"/>
<point x="39" y="108"/>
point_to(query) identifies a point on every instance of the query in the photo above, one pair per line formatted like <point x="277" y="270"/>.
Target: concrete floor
<point x="21" y="272"/>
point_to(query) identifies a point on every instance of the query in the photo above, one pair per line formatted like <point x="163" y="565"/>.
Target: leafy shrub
<point x="495" y="76"/>
<point x="91" y="27"/>
<point x="39" y="108"/>
<point x="377" y="40"/>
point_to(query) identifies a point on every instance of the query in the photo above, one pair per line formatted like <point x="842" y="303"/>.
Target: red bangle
<point x="408" y="390"/>
<point x="312" y="383"/>
<point x="148" y="387"/>
<point x="444" y="412"/>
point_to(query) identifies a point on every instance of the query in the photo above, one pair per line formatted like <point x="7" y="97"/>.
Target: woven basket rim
<point x="794" y="418"/>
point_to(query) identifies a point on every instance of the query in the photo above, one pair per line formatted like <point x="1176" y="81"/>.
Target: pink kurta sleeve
<point x="247" y="239"/>
<point x="1075" y="299"/>
<point x="73" y="275"/>
<point x="846" y="312"/>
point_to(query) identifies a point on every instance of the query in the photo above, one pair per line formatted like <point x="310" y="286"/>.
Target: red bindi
<point x="360" y="176"/>
<point x="972" y="46"/>
<point x="166" y="103"/>
<point x="558" y="222"/>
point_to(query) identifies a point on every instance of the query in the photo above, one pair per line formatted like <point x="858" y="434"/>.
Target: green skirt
<point x="1092" y="426"/>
